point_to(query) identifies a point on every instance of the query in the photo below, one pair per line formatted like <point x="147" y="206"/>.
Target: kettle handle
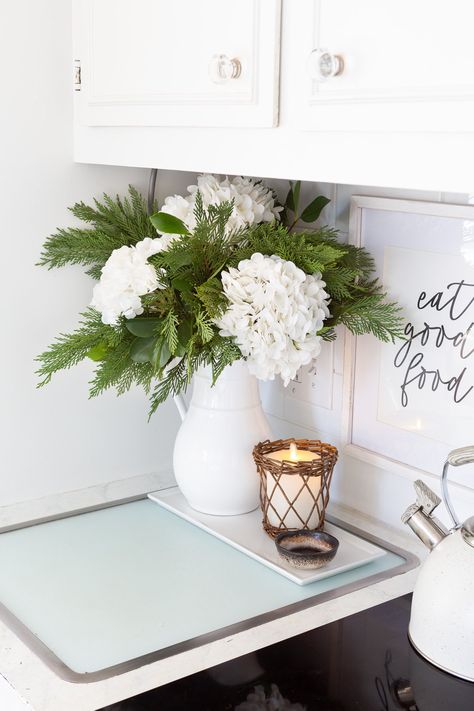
<point x="456" y="458"/>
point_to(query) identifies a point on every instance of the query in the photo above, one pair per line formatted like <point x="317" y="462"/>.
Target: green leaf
<point x="97" y="352"/>
<point x="143" y="327"/>
<point x="185" y="332"/>
<point x="173" y="258"/>
<point x="161" y="354"/>
<point x="181" y="284"/>
<point x="180" y="351"/>
<point x="168" y="224"/>
<point x="293" y="197"/>
<point x="314" y="209"/>
<point x="142" y="350"/>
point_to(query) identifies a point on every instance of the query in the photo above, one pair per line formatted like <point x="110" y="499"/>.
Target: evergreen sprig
<point x="69" y="349"/>
<point x="115" y="223"/>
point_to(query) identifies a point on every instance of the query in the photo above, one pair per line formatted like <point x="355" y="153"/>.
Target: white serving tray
<point x="245" y="532"/>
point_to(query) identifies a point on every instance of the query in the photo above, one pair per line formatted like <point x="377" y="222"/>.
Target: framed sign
<point x="408" y="404"/>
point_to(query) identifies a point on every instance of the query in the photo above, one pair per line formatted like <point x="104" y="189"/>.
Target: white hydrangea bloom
<point x="126" y="276"/>
<point x="274" y="313"/>
<point x="253" y="202"/>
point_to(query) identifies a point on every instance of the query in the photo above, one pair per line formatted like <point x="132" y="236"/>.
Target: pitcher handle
<point x="180" y="406"/>
<point x="456" y="458"/>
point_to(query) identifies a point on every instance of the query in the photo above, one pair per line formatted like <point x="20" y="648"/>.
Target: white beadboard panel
<point x="273" y="399"/>
<point x="307" y="414"/>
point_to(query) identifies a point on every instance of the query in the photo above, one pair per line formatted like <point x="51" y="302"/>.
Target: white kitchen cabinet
<point x="399" y="113"/>
<point x="177" y="62"/>
<point x="385" y="66"/>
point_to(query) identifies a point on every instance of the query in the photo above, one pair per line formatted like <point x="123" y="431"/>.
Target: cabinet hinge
<point x="77" y="75"/>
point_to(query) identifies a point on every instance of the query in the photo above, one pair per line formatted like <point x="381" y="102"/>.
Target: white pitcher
<point x="212" y="459"/>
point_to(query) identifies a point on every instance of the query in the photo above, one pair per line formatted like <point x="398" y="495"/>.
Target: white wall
<point x="54" y="439"/>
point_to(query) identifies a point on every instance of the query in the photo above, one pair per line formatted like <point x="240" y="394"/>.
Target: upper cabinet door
<point x="177" y="62"/>
<point x="404" y="65"/>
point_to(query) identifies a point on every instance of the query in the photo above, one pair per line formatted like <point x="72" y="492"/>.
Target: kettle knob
<point x="426" y="500"/>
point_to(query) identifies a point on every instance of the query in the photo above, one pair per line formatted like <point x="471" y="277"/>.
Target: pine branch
<point x="69" y="349"/>
<point x="116" y="223"/>
<point x="174" y="382"/>
<point x="372" y="314"/>
<point x="205" y="327"/>
<point x="327" y="333"/>
<point x="170" y="331"/>
<point x="309" y="252"/>
<point x="74" y="245"/>
<point x="116" y="216"/>
<point x="224" y="352"/>
<point x="118" y="371"/>
<point x="212" y="297"/>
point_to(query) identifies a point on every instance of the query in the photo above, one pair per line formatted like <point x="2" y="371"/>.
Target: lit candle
<point x="301" y="499"/>
<point x="293" y="455"/>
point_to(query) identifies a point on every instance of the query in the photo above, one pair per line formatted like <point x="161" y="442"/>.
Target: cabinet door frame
<point x="335" y="105"/>
<point x="255" y="106"/>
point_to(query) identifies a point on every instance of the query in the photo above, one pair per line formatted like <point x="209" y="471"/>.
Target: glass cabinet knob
<point x="222" y="68"/>
<point x="323" y="65"/>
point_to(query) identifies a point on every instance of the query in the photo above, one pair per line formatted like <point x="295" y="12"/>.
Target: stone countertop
<point x="42" y="690"/>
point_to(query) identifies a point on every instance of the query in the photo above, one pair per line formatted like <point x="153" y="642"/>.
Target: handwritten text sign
<point x="427" y="381"/>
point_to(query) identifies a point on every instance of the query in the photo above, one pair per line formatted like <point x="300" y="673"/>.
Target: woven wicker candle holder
<point x="295" y="475"/>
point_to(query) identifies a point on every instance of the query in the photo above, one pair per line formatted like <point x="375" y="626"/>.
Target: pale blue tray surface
<point x="107" y="586"/>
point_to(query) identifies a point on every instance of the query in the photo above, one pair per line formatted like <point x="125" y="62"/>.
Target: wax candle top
<point x="293" y="455"/>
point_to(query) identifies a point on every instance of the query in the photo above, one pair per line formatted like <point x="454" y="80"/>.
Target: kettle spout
<point x="429" y="530"/>
<point x="418" y="516"/>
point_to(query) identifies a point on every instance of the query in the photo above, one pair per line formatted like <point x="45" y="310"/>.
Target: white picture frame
<point x="393" y="417"/>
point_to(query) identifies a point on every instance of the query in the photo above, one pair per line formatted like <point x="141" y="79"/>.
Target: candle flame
<point x="293" y="452"/>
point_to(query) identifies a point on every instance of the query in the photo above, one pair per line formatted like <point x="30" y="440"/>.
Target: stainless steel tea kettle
<point x="442" y="614"/>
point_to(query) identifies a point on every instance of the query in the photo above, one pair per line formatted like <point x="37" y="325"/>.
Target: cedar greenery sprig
<point x="115" y="223"/>
<point x="162" y="349"/>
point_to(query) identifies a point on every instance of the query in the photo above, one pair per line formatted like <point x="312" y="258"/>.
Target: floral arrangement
<point x="222" y="274"/>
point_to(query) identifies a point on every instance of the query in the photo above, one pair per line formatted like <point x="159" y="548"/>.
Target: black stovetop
<point x="360" y="663"/>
